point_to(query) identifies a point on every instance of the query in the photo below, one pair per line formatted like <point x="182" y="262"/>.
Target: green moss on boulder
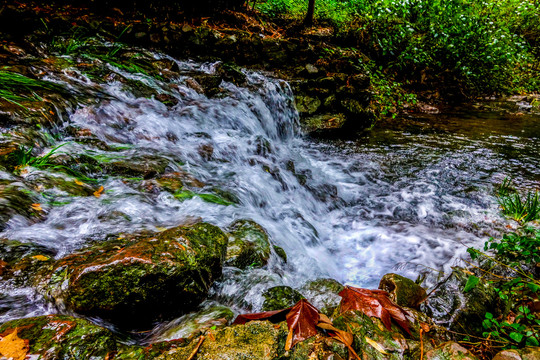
<point x="280" y="297"/>
<point x="140" y="279"/>
<point x="249" y="245"/>
<point x="62" y="337"/>
<point x="403" y="291"/>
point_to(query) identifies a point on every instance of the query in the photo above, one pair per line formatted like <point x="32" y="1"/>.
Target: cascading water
<point x="402" y="201"/>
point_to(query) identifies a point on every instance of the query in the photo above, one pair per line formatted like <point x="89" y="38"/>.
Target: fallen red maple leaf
<point x="302" y="321"/>
<point x="374" y="303"/>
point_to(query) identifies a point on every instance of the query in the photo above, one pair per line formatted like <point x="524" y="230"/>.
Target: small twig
<point x="196" y="349"/>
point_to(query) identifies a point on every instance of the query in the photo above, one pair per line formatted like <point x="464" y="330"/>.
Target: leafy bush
<point x="482" y="47"/>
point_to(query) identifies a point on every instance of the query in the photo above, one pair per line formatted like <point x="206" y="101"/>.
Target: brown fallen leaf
<point x="13" y="347"/>
<point x="274" y="316"/>
<point x="36" y="207"/>
<point x="374" y="303"/>
<point x="340" y="335"/>
<point x="98" y="192"/>
<point x="302" y="321"/>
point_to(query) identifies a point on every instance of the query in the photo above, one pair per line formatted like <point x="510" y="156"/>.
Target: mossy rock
<point x="319" y="347"/>
<point x="249" y="245"/>
<point x="449" y="351"/>
<point x="61" y="337"/>
<point x="321" y="124"/>
<point x="323" y="294"/>
<point x="280" y="297"/>
<point x="307" y="105"/>
<point x="391" y="345"/>
<point x="461" y="311"/>
<point x="256" y="340"/>
<point x="140" y="279"/>
<point x="59" y="183"/>
<point x="403" y="291"/>
<point x="216" y="316"/>
<point x="15" y="199"/>
<point x="280" y="252"/>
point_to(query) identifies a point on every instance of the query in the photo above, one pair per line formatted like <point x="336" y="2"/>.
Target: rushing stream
<point x="408" y="197"/>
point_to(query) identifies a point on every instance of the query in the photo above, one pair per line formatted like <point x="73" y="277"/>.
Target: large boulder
<point x="139" y="279"/>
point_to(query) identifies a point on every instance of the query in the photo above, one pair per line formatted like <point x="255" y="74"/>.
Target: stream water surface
<point x="409" y="196"/>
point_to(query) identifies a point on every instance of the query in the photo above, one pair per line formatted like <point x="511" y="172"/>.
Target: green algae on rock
<point x="249" y="245"/>
<point x="256" y="340"/>
<point x="403" y="291"/>
<point x="280" y="297"/>
<point x="138" y="280"/>
<point x="62" y="337"/>
<point x="323" y="294"/>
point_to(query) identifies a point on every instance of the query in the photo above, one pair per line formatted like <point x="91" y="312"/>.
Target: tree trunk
<point x="308" y="21"/>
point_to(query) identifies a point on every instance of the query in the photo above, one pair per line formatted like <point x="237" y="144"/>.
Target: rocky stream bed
<point x="145" y="202"/>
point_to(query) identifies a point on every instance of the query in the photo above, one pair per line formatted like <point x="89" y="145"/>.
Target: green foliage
<point x="17" y="88"/>
<point x="516" y="248"/>
<point x="482" y="47"/>
<point x="522" y="209"/>
<point x="22" y="157"/>
<point x="515" y="253"/>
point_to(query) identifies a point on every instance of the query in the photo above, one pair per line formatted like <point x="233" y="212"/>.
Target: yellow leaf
<point x="40" y="257"/>
<point x="79" y="182"/>
<point x="98" y="192"/>
<point x="376" y="345"/>
<point x="13" y="347"/>
<point x="37" y="207"/>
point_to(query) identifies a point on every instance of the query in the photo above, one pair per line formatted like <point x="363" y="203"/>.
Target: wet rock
<point x="319" y="347"/>
<point x="323" y="294"/>
<point x="371" y="339"/>
<point x="307" y="105"/>
<point x="463" y="312"/>
<point x="324" y="123"/>
<point x="61" y="337"/>
<point x="175" y="181"/>
<point x="20" y="262"/>
<point x="249" y="245"/>
<point x="209" y="83"/>
<point x="139" y="279"/>
<point x="312" y="69"/>
<point x="280" y="297"/>
<point x="232" y="73"/>
<point x="451" y="351"/>
<point x="144" y="166"/>
<point x="257" y="340"/>
<point x="281" y="253"/>
<point x="403" y="291"/>
<point x="528" y="353"/>
<point x="15" y="199"/>
<point x="60" y="184"/>
<point x="195" y="323"/>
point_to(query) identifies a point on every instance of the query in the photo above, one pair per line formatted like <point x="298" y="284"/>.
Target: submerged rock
<point x="138" y="280"/>
<point x="280" y="297"/>
<point x="15" y="199"/>
<point x="59" y="337"/>
<point x="249" y="245"/>
<point x="403" y="291"/>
